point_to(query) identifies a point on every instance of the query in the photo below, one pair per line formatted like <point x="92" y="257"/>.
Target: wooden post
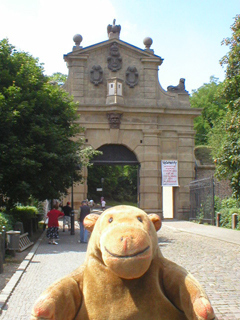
<point x="218" y="219"/>
<point x="234" y="220"/>
<point x="1" y="253"/>
<point x="4" y="242"/>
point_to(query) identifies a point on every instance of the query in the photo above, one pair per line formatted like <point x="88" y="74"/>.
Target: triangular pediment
<point x="78" y="52"/>
<point x="114" y="72"/>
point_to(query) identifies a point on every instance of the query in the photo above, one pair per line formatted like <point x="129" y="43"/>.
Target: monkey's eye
<point x="140" y="219"/>
<point x="110" y="220"/>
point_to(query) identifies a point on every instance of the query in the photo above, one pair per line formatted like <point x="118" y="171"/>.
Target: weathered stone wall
<point x="156" y="125"/>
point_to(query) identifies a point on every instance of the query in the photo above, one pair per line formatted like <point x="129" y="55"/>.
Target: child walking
<point x="52" y="231"/>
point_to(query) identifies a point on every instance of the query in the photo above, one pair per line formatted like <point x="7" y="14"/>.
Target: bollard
<point x="218" y="219"/>
<point x="234" y="220"/>
<point x="18" y="226"/>
<point x="1" y="254"/>
<point x="13" y="241"/>
<point x="30" y="227"/>
<point x="72" y="223"/>
<point x="4" y="242"/>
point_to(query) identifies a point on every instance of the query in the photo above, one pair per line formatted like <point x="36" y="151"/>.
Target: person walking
<point x="67" y="218"/>
<point x="103" y="203"/>
<point x="84" y="211"/>
<point x="52" y="231"/>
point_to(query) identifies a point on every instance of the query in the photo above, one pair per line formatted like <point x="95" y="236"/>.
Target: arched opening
<point x="113" y="154"/>
<point x="114" y="175"/>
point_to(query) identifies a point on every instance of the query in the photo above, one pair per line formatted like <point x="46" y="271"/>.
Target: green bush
<point x="217" y="203"/>
<point x="203" y="154"/>
<point x="228" y="207"/>
<point x="23" y="214"/>
<point x="230" y="203"/>
<point x="226" y="218"/>
<point x="6" y="220"/>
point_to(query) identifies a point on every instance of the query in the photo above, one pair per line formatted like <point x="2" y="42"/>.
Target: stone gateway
<point x="122" y="103"/>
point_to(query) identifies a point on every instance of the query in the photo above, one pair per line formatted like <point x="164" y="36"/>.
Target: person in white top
<point x="103" y="203"/>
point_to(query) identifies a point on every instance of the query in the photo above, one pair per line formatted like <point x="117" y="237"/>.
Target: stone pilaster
<point x="76" y="66"/>
<point x="185" y="171"/>
<point x="150" y="173"/>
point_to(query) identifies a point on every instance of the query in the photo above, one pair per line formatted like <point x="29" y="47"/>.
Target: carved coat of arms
<point x="114" y="60"/>
<point x="96" y="75"/>
<point x="131" y="76"/>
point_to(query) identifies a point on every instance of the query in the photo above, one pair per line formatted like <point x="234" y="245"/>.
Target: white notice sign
<point x="169" y="173"/>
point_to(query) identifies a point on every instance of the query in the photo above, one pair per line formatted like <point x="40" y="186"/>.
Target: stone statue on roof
<point x="179" y="88"/>
<point x="113" y="30"/>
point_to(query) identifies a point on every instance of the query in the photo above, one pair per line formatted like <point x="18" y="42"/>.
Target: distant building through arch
<point x="123" y="106"/>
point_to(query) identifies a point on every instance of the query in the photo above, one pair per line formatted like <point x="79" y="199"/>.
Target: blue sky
<point x="187" y="34"/>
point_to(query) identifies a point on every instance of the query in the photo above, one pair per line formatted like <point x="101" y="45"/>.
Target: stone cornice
<point x="143" y="110"/>
<point x="185" y="133"/>
<point x="157" y="61"/>
<point x="75" y="57"/>
<point x="151" y="132"/>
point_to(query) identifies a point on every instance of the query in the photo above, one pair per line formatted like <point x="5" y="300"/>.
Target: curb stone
<point x="12" y="283"/>
<point x="204" y="234"/>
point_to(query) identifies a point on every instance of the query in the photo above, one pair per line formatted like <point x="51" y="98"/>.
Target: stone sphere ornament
<point x="147" y="42"/>
<point x="77" y="39"/>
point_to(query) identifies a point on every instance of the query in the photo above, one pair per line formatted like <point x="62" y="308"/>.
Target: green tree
<point x="227" y="155"/>
<point x="120" y="182"/>
<point x="58" y="77"/>
<point x="40" y="147"/>
<point x="209" y="99"/>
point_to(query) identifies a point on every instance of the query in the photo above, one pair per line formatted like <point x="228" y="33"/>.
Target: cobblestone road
<point x="216" y="264"/>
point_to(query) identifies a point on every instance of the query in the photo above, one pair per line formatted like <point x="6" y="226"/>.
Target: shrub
<point x="217" y="203"/>
<point x="228" y="207"/>
<point x="23" y="214"/>
<point x="203" y="154"/>
<point x="226" y="218"/>
<point x="6" y="220"/>
<point x="230" y="203"/>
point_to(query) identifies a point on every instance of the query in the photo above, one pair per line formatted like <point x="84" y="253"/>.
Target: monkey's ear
<point x="90" y="221"/>
<point x="155" y="220"/>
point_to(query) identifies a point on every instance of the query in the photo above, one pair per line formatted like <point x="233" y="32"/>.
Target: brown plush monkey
<point x="125" y="276"/>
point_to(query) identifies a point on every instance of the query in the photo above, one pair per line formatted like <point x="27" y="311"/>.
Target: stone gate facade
<point x="122" y="102"/>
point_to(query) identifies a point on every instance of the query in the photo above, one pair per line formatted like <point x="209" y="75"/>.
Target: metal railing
<point x="202" y="200"/>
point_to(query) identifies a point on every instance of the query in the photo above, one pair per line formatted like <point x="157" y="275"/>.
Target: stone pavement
<point x="211" y="254"/>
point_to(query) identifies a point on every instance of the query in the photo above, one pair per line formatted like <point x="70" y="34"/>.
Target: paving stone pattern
<point x="213" y="262"/>
<point x="48" y="265"/>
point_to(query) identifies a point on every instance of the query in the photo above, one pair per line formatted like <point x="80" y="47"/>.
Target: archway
<point x="127" y="106"/>
<point x="114" y="154"/>
<point x="115" y="173"/>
